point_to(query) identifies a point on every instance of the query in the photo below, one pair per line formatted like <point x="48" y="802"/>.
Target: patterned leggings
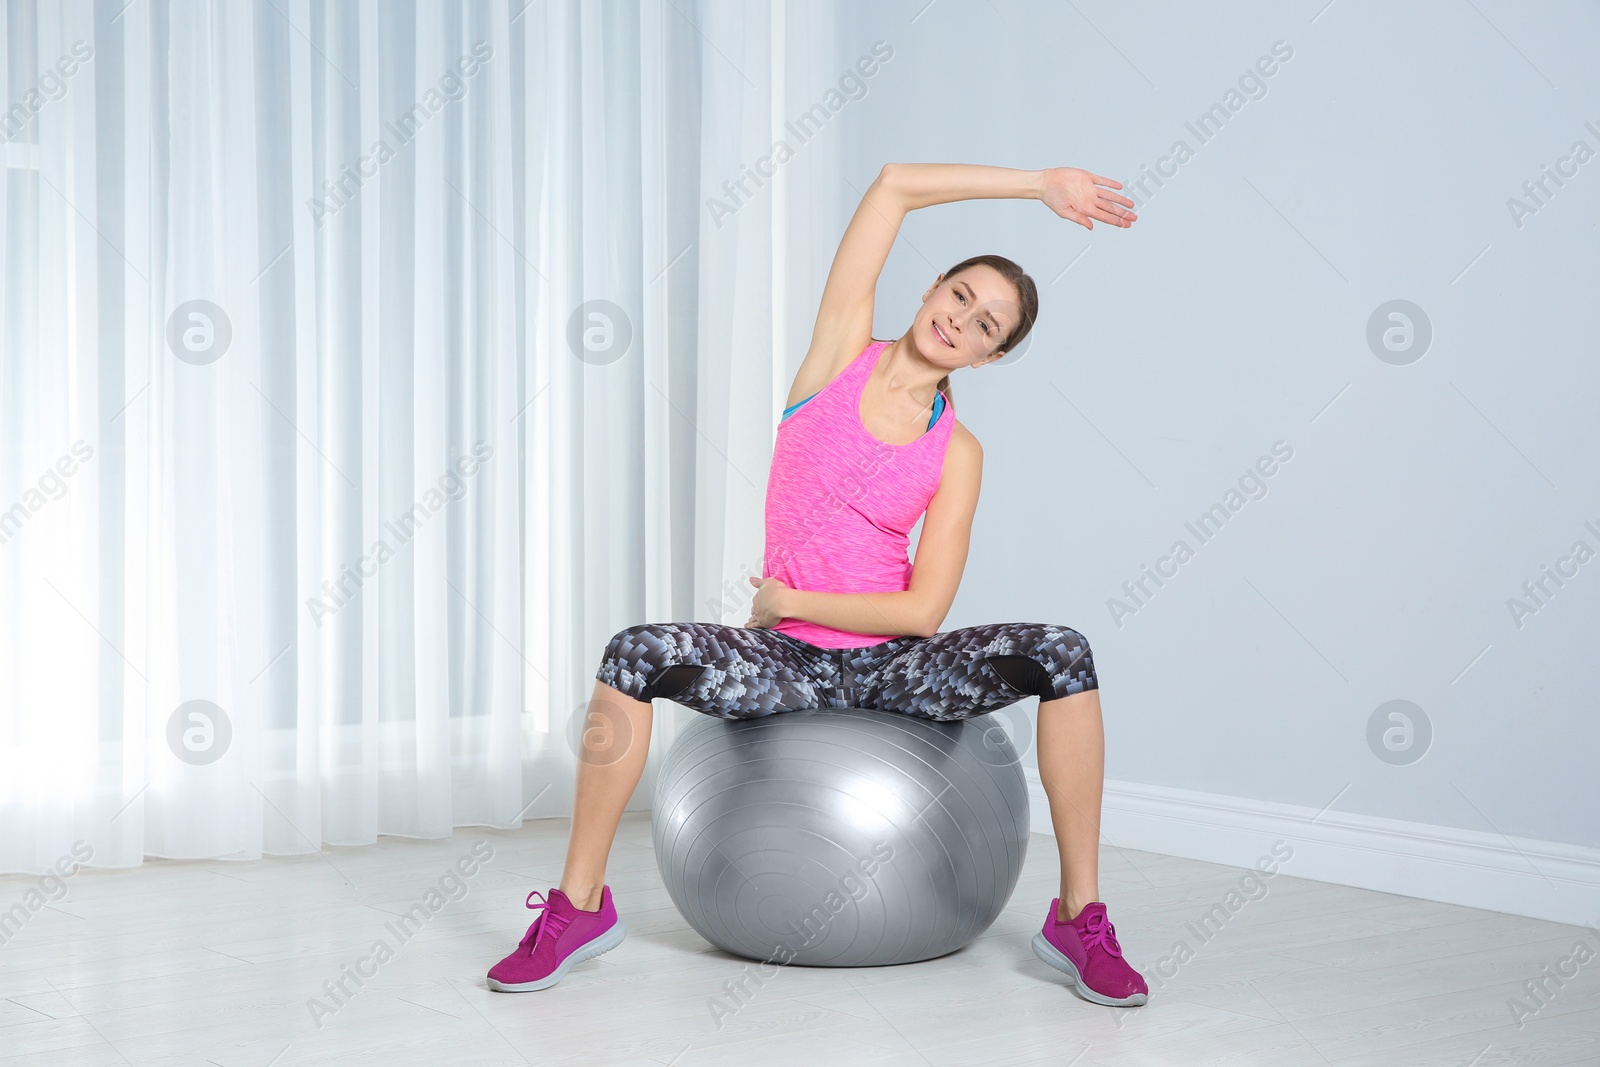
<point x="738" y="672"/>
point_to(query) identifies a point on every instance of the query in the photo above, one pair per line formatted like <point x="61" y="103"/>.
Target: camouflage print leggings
<point x="737" y="672"/>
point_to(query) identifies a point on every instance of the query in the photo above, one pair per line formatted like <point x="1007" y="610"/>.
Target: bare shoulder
<point x="962" y="440"/>
<point x="963" y="462"/>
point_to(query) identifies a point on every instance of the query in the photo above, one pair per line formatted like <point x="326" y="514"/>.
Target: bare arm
<point x="924" y="184"/>
<point x="844" y="316"/>
<point x="1071" y="193"/>
<point x="862" y="613"/>
<point x="947" y="530"/>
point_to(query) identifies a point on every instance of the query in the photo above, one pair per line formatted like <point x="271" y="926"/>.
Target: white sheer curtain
<point x="314" y="517"/>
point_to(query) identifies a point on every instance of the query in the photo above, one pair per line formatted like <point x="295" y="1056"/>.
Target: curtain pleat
<point x="317" y="509"/>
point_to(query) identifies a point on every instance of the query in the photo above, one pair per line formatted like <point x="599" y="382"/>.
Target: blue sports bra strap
<point x="938" y="406"/>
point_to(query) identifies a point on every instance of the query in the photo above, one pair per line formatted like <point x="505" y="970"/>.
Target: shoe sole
<point x="599" y="946"/>
<point x="1063" y="963"/>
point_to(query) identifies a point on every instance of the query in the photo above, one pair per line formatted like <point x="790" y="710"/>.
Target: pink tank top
<point x="841" y="503"/>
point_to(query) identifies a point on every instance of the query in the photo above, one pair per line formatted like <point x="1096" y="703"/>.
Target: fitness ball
<point x="841" y="837"/>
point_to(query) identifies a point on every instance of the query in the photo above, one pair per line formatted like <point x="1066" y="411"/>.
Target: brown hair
<point x="1027" y="300"/>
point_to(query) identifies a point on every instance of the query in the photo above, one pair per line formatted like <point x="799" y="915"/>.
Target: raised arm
<point x="844" y="315"/>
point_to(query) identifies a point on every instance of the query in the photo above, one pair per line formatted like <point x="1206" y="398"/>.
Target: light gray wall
<point x="1169" y="358"/>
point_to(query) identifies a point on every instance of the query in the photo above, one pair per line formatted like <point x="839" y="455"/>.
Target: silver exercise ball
<point x="841" y="837"/>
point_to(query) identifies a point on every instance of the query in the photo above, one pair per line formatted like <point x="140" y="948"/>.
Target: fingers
<point x="1107" y="207"/>
<point x="1113" y="216"/>
<point x="1109" y="197"/>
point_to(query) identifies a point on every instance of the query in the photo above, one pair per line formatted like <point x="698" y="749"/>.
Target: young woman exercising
<point x="868" y="445"/>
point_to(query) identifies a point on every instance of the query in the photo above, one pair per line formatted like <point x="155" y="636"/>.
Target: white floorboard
<point x="209" y="962"/>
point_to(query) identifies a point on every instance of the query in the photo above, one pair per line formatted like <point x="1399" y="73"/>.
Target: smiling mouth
<point x="942" y="336"/>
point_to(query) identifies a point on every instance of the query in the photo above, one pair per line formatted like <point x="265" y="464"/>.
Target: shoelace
<point x="1099" y="931"/>
<point x="550" y="924"/>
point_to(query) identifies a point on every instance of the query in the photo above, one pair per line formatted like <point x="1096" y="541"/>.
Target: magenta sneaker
<point x="557" y="941"/>
<point x="1086" y="949"/>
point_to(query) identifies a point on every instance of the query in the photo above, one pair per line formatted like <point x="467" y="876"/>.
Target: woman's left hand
<point x="766" y="610"/>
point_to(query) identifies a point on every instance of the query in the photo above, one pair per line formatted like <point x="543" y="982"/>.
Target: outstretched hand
<point x="1077" y="195"/>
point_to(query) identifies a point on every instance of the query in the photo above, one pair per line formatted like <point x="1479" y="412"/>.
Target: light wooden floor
<point x="209" y="962"/>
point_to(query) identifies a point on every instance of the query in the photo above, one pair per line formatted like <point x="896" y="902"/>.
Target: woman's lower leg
<point x="1072" y="769"/>
<point x="616" y="743"/>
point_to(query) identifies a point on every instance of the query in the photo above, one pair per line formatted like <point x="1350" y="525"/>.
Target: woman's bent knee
<point x="647" y="660"/>
<point x="1069" y="662"/>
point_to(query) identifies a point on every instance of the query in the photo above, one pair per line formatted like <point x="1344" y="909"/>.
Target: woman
<point x="868" y="445"/>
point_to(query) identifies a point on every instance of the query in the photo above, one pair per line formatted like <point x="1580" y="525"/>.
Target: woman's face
<point x="965" y="318"/>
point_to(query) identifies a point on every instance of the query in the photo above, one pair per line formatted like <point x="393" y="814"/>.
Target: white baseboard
<point x="1540" y="879"/>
